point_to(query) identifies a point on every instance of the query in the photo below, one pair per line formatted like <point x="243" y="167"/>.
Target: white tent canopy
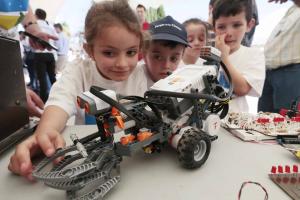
<point x="73" y="12"/>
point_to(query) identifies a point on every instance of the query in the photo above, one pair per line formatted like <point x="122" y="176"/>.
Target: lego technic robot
<point x="182" y="110"/>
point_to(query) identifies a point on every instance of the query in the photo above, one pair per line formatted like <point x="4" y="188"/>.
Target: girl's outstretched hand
<point x="21" y="160"/>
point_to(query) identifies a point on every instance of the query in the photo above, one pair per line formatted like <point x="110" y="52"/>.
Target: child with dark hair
<point x="210" y="29"/>
<point x="248" y="38"/>
<point x="40" y="14"/>
<point x="113" y="39"/>
<point x="231" y="20"/>
<point x="210" y="9"/>
<point x="164" y="49"/>
<point x="197" y="38"/>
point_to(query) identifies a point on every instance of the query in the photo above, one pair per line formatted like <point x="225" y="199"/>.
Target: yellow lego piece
<point x="297" y="154"/>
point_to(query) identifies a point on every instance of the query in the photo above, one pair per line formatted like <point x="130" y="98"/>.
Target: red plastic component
<point x="293" y="180"/>
<point x="296" y="119"/>
<point x="278" y="179"/>
<point x="273" y="170"/>
<point x="263" y="120"/>
<point x="278" y="119"/>
<point x="283" y="112"/>
<point x="295" y="168"/>
<point x="87" y="107"/>
<point x="287" y="169"/>
<point x="280" y="169"/>
<point x="285" y="180"/>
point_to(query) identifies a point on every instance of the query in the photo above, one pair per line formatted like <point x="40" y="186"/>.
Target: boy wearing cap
<point x="164" y="50"/>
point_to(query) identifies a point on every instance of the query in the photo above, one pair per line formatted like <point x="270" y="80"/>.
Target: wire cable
<point x="255" y="183"/>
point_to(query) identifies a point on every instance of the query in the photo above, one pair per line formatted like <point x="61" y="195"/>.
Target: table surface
<point x="159" y="176"/>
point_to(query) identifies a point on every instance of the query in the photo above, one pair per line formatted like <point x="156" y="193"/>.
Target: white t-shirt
<point x="79" y="76"/>
<point x="199" y="62"/>
<point x="251" y="64"/>
<point x="62" y="44"/>
<point x="149" y="82"/>
<point x="46" y="28"/>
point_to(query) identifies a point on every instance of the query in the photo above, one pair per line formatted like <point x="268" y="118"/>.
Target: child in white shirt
<point x="231" y="20"/>
<point x="197" y="37"/>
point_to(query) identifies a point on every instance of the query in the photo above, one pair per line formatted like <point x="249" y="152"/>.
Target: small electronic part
<point x="79" y="146"/>
<point x="92" y="104"/>
<point x="129" y="138"/>
<point x="144" y="134"/>
<point x="287" y="178"/>
<point x="288" y="139"/>
<point x="294" y="110"/>
<point x="290" y="143"/>
<point x="261" y="126"/>
<point x="248" y="135"/>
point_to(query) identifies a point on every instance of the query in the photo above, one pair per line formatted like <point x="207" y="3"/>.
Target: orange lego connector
<point x="114" y="111"/>
<point x="144" y="135"/>
<point x="125" y="140"/>
<point x="120" y="122"/>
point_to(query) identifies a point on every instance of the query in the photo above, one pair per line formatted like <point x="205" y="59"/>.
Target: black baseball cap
<point x="168" y="29"/>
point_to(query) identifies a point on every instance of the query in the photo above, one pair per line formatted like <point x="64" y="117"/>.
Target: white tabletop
<point x="159" y="176"/>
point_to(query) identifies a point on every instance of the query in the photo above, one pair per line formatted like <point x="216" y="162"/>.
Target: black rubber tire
<point x="190" y="143"/>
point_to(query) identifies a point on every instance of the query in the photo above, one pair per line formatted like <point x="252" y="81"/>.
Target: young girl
<point x="113" y="39"/>
<point x="197" y="38"/>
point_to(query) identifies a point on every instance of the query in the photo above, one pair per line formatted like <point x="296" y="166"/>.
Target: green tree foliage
<point x="160" y="12"/>
<point x="154" y="14"/>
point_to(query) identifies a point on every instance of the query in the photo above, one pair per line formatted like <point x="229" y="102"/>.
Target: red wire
<point x="256" y="183"/>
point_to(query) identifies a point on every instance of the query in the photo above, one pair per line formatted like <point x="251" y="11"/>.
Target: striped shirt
<point x="283" y="46"/>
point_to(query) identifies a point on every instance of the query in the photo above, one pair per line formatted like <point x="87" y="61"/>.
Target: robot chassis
<point x="184" y="110"/>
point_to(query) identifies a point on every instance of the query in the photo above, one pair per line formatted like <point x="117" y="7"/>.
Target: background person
<point x="282" y="52"/>
<point x="29" y="23"/>
<point x="63" y="47"/>
<point x="248" y="38"/>
<point x="141" y="13"/>
<point x="44" y="60"/>
<point x="197" y="37"/>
